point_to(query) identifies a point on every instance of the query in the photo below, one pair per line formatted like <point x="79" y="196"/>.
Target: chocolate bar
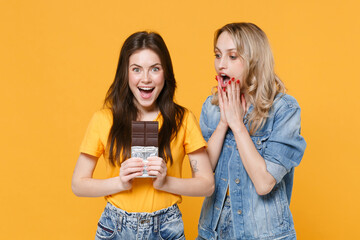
<point x="144" y="140"/>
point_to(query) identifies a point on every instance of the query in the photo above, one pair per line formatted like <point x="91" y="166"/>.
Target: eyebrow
<point x="228" y="50"/>
<point x="136" y="65"/>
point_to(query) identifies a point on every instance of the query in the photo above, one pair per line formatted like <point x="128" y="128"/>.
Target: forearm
<point x="194" y="187"/>
<point x="215" y="144"/>
<point x="254" y="164"/>
<point x="90" y="187"/>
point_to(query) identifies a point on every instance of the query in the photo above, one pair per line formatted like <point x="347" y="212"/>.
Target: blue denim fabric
<point x="279" y="142"/>
<point x="225" y="227"/>
<point x="117" y="224"/>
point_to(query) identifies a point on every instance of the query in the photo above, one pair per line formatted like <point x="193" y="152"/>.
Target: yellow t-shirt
<point x="142" y="197"/>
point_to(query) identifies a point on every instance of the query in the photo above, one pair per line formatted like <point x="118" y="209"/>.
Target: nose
<point x="146" y="78"/>
<point x="222" y="64"/>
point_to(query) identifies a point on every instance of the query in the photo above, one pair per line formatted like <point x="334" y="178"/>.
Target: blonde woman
<point x="254" y="142"/>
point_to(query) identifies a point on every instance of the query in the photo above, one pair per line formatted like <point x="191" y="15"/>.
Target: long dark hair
<point x="119" y="99"/>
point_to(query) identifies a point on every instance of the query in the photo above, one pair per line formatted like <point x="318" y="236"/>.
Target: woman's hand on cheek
<point x="234" y="104"/>
<point x="156" y="166"/>
<point x="130" y="169"/>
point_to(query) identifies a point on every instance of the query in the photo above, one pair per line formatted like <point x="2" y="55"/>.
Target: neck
<point x="147" y="114"/>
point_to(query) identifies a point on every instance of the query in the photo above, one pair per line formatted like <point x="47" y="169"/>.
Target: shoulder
<point x="102" y="116"/>
<point x="285" y="111"/>
<point x="188" y="117"/>
<point x="103" y="113"/>
<point x="210" y="115"/>
<point x="208" y="106"/>
<point x="285" y="102"/>
<point x="208" y="100"/>
<point x="188" y="124"/>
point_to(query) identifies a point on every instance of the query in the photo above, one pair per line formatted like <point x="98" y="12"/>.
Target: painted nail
<point x="216" y="78"/>
<point x="224" y="89"/>
<point x="237" y="81"/>
<point x="229" y="82"/>
<point x="233" y="79"/>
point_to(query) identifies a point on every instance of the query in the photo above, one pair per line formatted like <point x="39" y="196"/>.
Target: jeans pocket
<point x="106" y="228"/>
<point x="172" y="230"/>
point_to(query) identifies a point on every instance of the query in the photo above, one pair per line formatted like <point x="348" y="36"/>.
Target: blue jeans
<point x="225" y="226"/>
<point x="116" y="224"/>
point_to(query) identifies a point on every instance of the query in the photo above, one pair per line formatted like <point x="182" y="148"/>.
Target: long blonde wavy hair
<point x="261" y="82"/>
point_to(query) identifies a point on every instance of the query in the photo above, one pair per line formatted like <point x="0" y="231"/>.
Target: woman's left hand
<point x="156" y="166"/>
<point x="234" y="104"/>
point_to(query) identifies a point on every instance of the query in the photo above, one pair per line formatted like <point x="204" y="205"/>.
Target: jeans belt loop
<point x="156" y="223"/>
<point x="121" y="217"/>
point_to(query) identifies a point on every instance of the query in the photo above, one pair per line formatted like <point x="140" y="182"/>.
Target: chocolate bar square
<point x="144" y="133"/>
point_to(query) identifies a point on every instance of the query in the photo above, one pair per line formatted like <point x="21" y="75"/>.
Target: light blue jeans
<point x="225" y="226"/>
<point x="117" y="224"/>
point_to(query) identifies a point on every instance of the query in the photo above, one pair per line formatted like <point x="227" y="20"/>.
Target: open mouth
<point x="146" y="92"/>
<point x="224" y="79"/>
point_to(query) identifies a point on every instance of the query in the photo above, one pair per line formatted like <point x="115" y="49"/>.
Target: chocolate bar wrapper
<point x="144" y="153"/>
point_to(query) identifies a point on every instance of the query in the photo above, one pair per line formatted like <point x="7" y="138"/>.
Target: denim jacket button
<point x="237" y="181"/>
<point x="239" y="212"/>
<point x="258" y="142"/>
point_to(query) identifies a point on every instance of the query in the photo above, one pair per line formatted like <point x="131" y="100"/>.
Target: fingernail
<point x="233" y="79"/>
<point x="237" y="81"/>
<point x="229" y="82"/>
<point x="216" y="78"/>
<point x="224" y="89"/>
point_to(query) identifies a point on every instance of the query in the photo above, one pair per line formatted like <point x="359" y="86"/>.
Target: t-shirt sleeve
<point x="193" y="137"/>
<point x="92" y="143"/>
<point x="285" y="147"/>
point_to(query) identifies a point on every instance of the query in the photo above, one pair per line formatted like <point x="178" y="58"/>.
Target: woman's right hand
<point x="233" y="104"/>
<point x="223" y="120"/>
<point x="130" y="169"/>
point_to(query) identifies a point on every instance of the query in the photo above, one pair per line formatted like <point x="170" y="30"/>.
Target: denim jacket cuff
<point x="276" y="170"/>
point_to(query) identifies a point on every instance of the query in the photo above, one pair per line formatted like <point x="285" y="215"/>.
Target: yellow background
<point x="58" y="58"/>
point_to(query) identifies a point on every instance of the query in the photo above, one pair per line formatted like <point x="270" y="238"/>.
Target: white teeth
<point x="223" y="75"/>
<point x="145" y="89"/>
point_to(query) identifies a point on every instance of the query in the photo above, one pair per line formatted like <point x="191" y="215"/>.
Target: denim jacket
<point x="280" y="144"/>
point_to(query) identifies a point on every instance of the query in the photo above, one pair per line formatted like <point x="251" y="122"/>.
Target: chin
<point x="147" y="105"/>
